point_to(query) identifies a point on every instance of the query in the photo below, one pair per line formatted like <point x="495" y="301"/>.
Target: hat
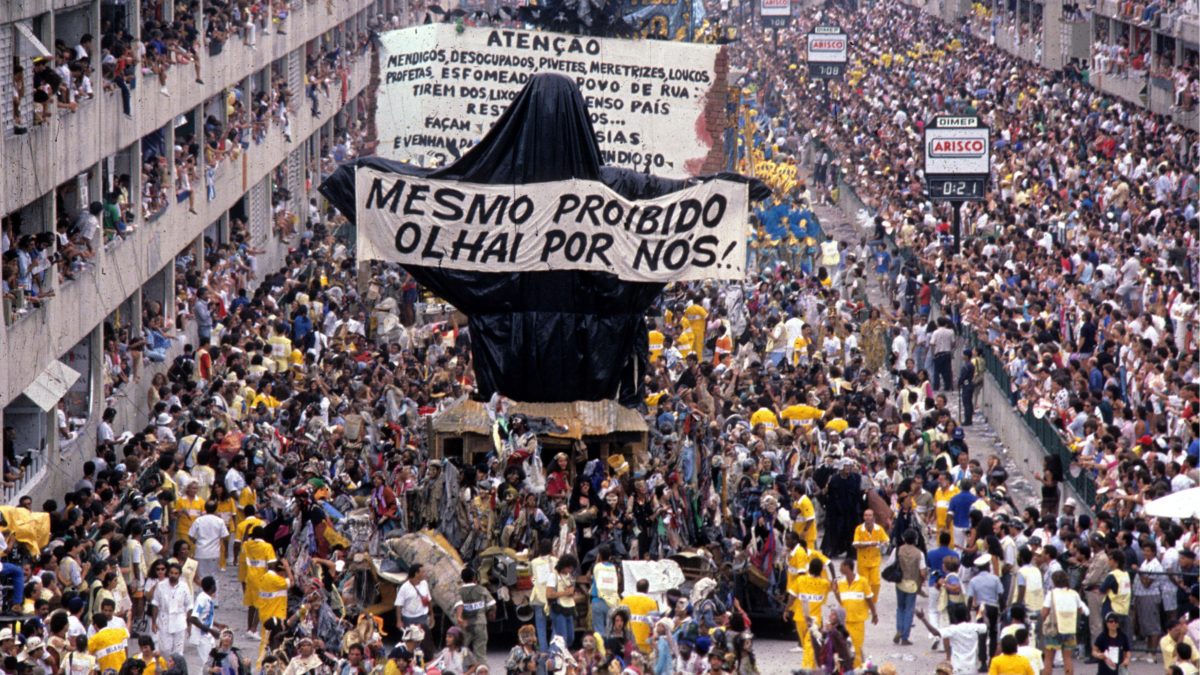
<point x="163" y="419"/>
<point x="983" y="560"/>
<point x="1070" y="502"/>
<point x="6" y="634"/>
<point x="958" y="434"/>
<point x="33" y="644"/>
<point x="1111" y="616"/>
<point x="1145" y="440"/>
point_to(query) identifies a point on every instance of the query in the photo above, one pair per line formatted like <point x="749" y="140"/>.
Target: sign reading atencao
<point x="440" y="92"/>
<point x="695" y="233"/>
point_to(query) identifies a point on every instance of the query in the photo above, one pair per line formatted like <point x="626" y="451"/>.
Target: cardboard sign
<point x="441" y="90"/>
<point x="693" y="234"/>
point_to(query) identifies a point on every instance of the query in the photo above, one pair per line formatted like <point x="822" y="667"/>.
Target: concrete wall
<point x="126" y="265"/>
<point x="52" y="153"/>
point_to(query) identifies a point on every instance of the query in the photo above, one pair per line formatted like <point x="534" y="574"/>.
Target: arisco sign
<point x="441" y="90"/>
<point x="957" y="146"/>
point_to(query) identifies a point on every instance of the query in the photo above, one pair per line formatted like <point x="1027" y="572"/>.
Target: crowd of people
<point x="803" y="447"/>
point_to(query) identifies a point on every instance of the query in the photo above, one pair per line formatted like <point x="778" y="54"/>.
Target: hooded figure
<point x="587" y="328"/>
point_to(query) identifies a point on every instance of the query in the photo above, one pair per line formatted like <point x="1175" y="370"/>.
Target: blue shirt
<point x="934" y="559"/>
<point x="960" y="507"/>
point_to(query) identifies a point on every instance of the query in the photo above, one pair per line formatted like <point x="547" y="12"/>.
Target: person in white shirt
<point x="413" y="600"/>
<point x="169" y="610"/>
<point x="207" y="532"/>
<point x="961" y="639"/>
<point x="202" y="618"/>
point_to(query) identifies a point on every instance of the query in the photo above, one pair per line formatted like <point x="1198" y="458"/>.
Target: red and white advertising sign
<point x="827" y="48"/>
<point x="956" y="148"/>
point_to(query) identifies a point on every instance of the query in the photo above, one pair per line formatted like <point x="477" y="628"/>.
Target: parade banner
<point x="692" y="234"/>
<point x="441" y="90"/>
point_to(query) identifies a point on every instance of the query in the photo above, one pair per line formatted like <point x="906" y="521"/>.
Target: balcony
<point x="1024" y="48"/>
<point x="126" y="265"/>
<point x="70" y="142"/>
<point x="1186" y="27"/>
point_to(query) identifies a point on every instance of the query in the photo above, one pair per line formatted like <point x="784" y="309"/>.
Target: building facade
<point x="128" y="142"/>
<point x="1145" y="53"/>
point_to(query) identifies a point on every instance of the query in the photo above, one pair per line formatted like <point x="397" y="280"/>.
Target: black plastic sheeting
<point x="543" y="336"/>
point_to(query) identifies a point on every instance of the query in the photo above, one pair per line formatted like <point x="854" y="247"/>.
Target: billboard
<point x="956" y="146"/>
<point x="775" y="13"/>
<point x="653" y="103"/>
<point x="691" y="234"/>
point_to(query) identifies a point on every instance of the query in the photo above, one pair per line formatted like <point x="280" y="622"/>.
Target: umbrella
<point x="1182" y="504"/>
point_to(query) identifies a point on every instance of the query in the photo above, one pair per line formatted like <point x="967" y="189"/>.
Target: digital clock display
<point x="956" y="189"/>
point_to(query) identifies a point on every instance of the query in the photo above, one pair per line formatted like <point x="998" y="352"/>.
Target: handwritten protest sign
<point x="441" y="90"/>
<point x="695" y="233"/>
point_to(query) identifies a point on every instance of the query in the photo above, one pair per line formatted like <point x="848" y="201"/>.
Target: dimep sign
<point x="961" y="147"/>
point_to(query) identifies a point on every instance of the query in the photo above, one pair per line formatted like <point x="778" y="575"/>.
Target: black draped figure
<point x="553" y="336"/>
<point x="844" y="512"/>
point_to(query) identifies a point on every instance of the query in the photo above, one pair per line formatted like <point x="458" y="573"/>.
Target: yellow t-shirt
<point x="810" y="588"/>
<point x="109" y="646"/>
<point x="640" y="608"/>
<point x="871" y="556"/>
<point x="695" y="316"/>
<point x="800" y="414"/>
<point x="764" y="417"/>
<point x="245" y="526"/>
<point x="656" y="345"/>
<point x="799" y="558"/>
<point x="854" y="599"/>
<point x="186" y="512"/>
<point x="686" y="343"/>
<point x="837" y="424"/>
<point x="272" y="596"/>
<point x="941" y="503"/>
<point x="1010" y="664"/>
<point x="808" y="529"/>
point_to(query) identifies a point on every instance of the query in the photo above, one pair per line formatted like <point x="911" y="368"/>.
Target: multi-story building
<point x="1146" y="53"/>
<point x="57" y="161"/>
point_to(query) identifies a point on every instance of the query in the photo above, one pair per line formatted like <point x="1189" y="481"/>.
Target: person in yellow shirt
<point x="765" y="417"/>
<point x="227" y="511"/>
<point x="800" y="413"/>
<point x="807" y="593"/>
<point x="281" y="347"/>
<point x="655" y="339"/>
<point x="941" y="502"/>
<point x="155" y="663"/>
<point x="1008" y="661"/>
<point x="256" y="556"/>
<point x="694" y="317"/>
<point x="248" y="522"/>
<point x="187" y="508"/>
<point x="273" y="587"/>
<point x="869" y="540"/>
<point x="640" y="608"/>
<point x="859" y="602"/>
<point x="109" y="645"/>
<point x="685" y="343"/>
<point x="804" y="517"/>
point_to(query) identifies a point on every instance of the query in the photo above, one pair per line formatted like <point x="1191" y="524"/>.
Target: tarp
<point x="27" y="527"/>
<point x="554" y="336"/>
